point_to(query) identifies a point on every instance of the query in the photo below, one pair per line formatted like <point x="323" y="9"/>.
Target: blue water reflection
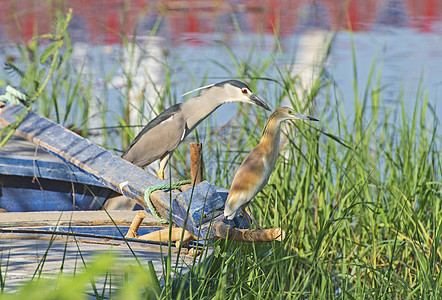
<point x="194" y="40"/>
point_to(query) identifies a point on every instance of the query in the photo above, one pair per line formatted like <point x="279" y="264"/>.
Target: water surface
<point x="197" y="42"/>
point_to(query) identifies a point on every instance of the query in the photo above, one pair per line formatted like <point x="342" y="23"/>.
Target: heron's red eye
<point x="244" y="91"/>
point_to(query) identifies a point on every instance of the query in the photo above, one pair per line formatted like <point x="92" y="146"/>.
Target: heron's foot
<point x="258" y="227"/>
<point x="255" y="224"/>
<point x="249" y="217"/>
<point x="161" y="174"/>
<point x="248" y="221"/>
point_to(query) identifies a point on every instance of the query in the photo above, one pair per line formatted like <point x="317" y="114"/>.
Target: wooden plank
<point x="111" y="224"/>
<point x="99" y="163"/>
<point x="196" y="162"/>
<point x="201" y="205"/>
<point x="23" y="158"/>
<point x="74" y="218"/>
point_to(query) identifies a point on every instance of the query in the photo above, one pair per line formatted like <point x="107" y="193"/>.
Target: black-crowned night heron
<point x="163" y="134"/>
<point x="254" y="172"/>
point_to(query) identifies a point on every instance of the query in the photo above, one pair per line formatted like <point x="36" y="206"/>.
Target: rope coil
<point x="14" y="96"/>
<point x="149" y="204"/>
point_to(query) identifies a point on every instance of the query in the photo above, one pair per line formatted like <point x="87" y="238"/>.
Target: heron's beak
<point x="256" y="100"/>
<point x="304" y="117"/>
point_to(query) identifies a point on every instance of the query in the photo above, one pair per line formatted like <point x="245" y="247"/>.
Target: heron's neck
<point x="197" y="109"/>
<point x="270" y="136"/>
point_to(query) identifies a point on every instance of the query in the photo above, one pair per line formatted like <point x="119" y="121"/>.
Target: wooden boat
<point x="53" y="183"/>
<point x="198" y="210"/>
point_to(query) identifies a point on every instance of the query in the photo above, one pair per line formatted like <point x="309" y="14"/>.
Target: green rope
<point x="14" y="96"/>
<point x="148" y="191"/>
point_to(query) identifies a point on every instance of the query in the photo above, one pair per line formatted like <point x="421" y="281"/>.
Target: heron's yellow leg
<point x="246" y="215"/>
<point x="246" y="209"/>
<point x="163" y="163"/>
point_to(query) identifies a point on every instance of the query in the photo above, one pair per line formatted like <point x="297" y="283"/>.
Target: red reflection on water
<point x="105" y="21"/>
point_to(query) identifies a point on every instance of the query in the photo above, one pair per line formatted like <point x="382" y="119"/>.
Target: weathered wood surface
<point x="105" y="167"/>
<point x="71" y="218"/>
<point x="21" y="158"/>
<point x="23" y="253"/>
<point x="96" y="224"/>
<point x="135" y="225"/>
<point x="196" y="162"/>
<point x="34" y="180"/>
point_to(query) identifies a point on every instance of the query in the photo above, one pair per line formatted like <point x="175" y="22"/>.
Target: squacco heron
<point x="255" y="170"/>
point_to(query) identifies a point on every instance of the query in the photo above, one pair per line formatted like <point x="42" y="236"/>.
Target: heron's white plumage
<point x="198" y="89"/>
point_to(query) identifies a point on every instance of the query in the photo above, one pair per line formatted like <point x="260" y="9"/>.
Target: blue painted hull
<point x="34" y="180"/>
<point x="23" y="194"/>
